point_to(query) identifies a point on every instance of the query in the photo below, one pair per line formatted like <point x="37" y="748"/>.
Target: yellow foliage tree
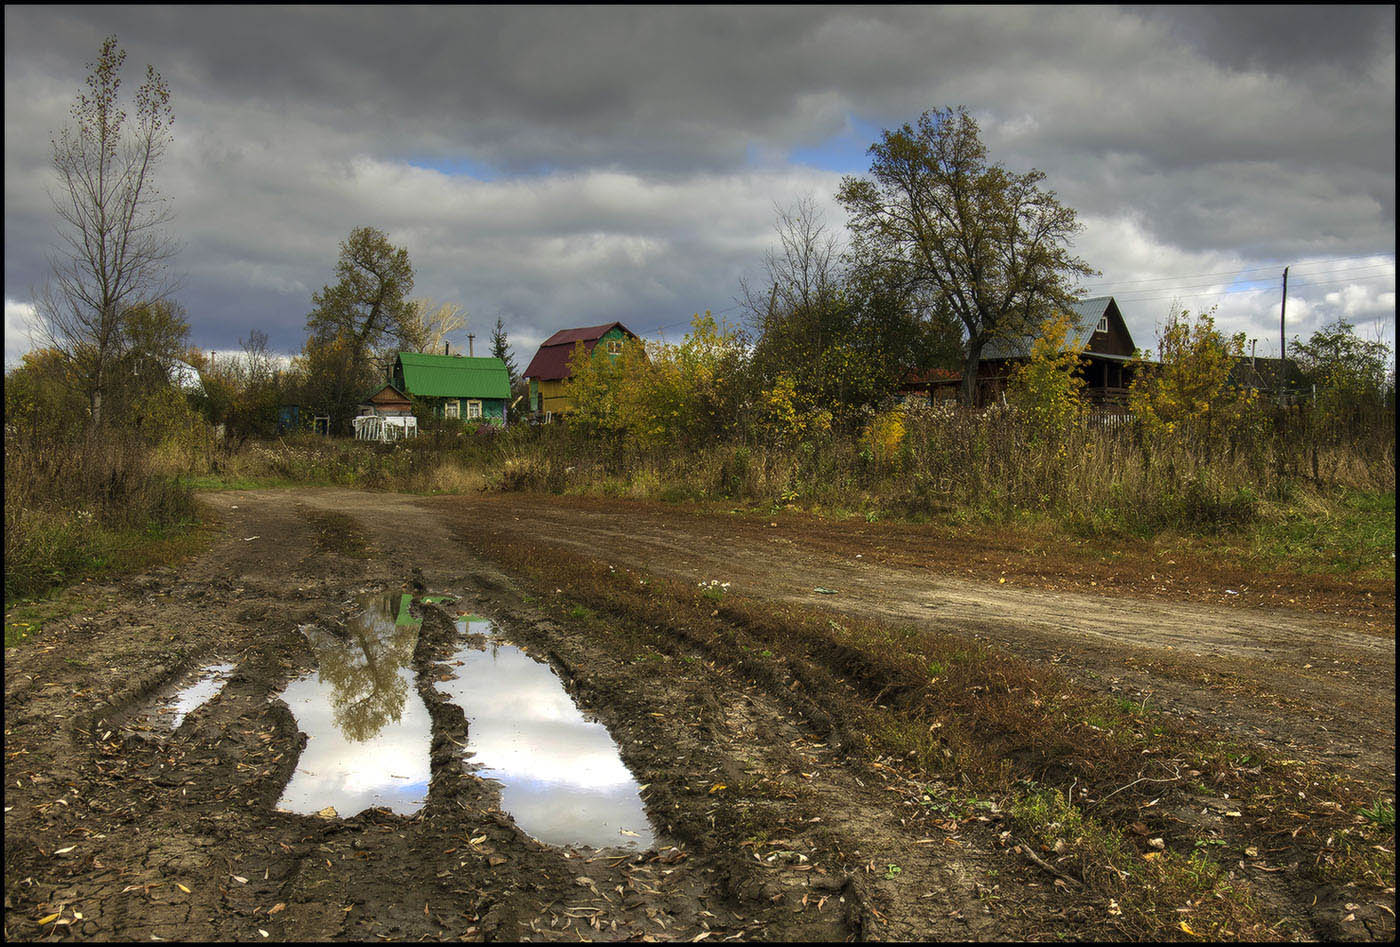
<point x="658" y="393"/>
<point x="1048" y="388"/>
<point x="1187" y="396"/>
<point x="785" y="415"/>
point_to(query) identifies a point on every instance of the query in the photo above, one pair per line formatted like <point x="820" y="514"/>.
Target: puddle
<point x="368" y="731"/>
<point x="207" y="682"/>
<point x="562" y="778"/>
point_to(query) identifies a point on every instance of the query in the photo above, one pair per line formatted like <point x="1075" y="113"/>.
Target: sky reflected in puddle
<point x="188" y="697"/>
<point x="562" y="778"/>
<point x="368" y="731"/>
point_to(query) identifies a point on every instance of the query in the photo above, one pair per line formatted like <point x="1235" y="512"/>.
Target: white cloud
<point x="22" y="331"/>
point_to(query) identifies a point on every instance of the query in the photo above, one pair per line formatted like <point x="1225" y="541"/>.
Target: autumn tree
<point x="969" y="238"/>
<point x="355" y="320"/>
<point x="1048" y="387"/>
<point x="111" y="218"/>
<point x="1348" y="372"/>
<point x="840" y="339"/>
<point x="1187" y="394"/>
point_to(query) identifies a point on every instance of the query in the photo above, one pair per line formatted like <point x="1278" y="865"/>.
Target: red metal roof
<point x="585" y="334"/>
<point x="551" y="362"/>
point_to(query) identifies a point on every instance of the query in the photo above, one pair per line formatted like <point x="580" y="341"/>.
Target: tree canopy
<point x="968" y="237"/>
<point x="353" y="320"/>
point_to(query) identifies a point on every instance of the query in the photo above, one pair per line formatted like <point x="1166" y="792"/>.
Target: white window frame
<point x="1103" y="324"/>
<point x="452" y="408"/>
<point x="614" y="346"/>
<point x="473" y="410"/>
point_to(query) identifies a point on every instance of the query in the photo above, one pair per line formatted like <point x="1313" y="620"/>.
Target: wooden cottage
<point x="455" y="387"/>
<point x="548" y="371"/>
<point x="387" y="402"/>
<point x="1107" y="353"/>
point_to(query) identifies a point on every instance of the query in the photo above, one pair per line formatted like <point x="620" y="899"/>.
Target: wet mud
<point x="757" y="824"/>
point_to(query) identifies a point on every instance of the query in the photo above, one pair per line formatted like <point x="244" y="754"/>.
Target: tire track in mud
<point x="1313" y="684"/>
<point x="741" y="729"/>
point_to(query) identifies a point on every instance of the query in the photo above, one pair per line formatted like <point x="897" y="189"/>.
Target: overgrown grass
<point x="1340" y="531"/>
<point x="1251" y="492"/>
<point x="75" y="510"/>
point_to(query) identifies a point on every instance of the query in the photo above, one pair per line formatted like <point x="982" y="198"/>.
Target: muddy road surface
<point x="760" y="826"/>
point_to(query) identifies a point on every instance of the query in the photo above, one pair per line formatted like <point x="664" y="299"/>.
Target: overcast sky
<point x="572" y="166"/>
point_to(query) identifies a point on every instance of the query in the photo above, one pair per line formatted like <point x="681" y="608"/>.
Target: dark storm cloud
<point x="623" y="163"/>
<point x="1283" y="39"/>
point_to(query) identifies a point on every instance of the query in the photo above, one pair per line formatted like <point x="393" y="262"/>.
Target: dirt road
<point x="765" y="829"/>
<point x="1322" y="684"/>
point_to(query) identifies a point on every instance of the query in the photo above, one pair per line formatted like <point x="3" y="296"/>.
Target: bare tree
<point x="432" y="324"/>
<point x="804" y="271"/>
<point x="111" y="216"/>
<point x="257" y="357"/>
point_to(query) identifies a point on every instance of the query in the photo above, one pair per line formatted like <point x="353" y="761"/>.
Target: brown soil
<point x="767" y="829"/>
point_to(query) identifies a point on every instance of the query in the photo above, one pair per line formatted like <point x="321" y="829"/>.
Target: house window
<point x="614" y="346"/>
<point x="473" y="409"/>
<point x="452" y="408"/>
<point x="1103" y="324"/>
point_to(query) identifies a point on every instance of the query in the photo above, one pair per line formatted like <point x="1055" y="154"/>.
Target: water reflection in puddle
<point x="207" y="683"/>
<point x="368" y="732"/>
<point x="562" y="778"/>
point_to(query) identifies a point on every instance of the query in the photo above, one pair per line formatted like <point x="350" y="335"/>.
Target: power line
<point x="1265" y="267"/>
<point x="1161" y="293"/>
<point x="1138" y="293"/>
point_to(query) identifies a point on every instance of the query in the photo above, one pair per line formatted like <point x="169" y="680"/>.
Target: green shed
<point x="456" y="386"/>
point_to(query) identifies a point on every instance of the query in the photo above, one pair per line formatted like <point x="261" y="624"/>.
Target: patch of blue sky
<point x="1253" y="285"/>
<point x="457" y="167"/>
<point x="844" y="152"/>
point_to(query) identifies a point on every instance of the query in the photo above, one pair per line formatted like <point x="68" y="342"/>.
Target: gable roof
<point x="452" y="376"/>
<point x="1087" y="313"/>
<point x="378" y="396"/>
<point x="551" y="362"/>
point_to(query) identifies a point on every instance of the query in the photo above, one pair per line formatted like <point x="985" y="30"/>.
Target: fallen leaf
<point x="182" y="887"/>
<point x="717" y="787"/>
<point x="65" y="851"/>
<point x="48" y="920"/>
<point x="240" y="879"/>
<point x="279" y="906"/>
<point x="1188" y="930"/>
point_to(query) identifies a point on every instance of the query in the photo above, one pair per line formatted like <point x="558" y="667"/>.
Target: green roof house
<point x="455" y="386"/>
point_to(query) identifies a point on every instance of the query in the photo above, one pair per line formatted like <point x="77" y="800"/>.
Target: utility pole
<point x="1282" y="338"/>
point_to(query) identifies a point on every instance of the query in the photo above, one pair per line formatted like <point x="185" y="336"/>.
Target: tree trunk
<point x="967" y="391"/>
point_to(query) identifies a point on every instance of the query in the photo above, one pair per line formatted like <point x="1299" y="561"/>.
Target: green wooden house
<point x="473" y="390"/>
